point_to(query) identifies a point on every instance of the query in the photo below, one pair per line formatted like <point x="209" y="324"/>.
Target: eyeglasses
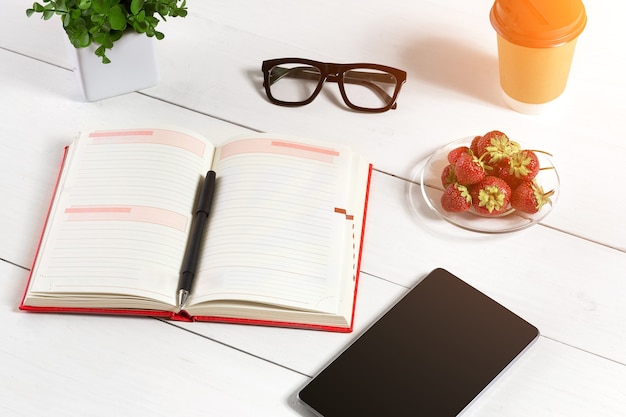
<point x="364" y="87"/>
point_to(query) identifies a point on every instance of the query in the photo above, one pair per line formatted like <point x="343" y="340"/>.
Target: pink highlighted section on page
<point x="160" y="137"/>
<point x="128" y="213"/>
<point x="278" y="147"/>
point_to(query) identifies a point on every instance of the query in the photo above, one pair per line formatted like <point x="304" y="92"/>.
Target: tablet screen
<point x="430" y="355"/>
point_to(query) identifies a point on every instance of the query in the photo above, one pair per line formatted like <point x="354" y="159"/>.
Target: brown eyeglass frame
<point x="335" y="73"/>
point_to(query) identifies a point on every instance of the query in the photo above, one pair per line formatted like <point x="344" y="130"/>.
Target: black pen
<point x="200" y="217"/>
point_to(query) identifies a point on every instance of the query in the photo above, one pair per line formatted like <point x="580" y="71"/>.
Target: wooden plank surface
<point x="565" y="275"/>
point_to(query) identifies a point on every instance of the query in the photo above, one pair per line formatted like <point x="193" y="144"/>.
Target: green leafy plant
<point x="105" y="21"/>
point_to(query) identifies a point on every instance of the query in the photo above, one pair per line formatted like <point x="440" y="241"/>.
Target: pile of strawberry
<point x="492" y="175"/>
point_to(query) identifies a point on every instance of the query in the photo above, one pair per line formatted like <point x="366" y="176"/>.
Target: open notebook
<point x="282" y="247"/>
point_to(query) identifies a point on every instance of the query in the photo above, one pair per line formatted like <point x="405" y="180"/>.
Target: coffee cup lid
<point x="538" y="24"/>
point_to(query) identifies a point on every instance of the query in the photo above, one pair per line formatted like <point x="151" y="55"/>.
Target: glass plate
<point x="428" y="180"/>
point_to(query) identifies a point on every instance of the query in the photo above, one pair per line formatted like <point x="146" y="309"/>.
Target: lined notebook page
<point x="277" y="230"/>
<point x="121" y="218"/>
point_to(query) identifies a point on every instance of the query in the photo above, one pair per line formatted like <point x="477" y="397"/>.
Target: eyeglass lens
<point x="294" y="83"/>
<point x="363" y="87"/>
<point x="369" y="88"/>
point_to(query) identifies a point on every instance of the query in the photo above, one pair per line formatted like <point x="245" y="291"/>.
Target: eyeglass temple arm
<point x="364" y="78"/>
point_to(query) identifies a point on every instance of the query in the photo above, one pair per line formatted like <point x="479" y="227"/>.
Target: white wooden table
<point x="566" y="275"/>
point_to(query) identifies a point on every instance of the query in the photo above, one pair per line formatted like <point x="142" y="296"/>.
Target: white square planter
<point x="133" y="67"/>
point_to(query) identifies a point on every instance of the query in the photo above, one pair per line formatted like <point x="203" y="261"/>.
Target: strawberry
<point x="502" y="170"/>
<point x="456" y="198"/>
<point x="496" y="146"/>
<point x="522" y="166"/>
<point x="474" y="144"/>
<point x="454" y="154"/>
<point x="491" y="196"/>
<point x="448" y="176"/>
<point x="529" y="197"/>
<point x="469" y="169"/>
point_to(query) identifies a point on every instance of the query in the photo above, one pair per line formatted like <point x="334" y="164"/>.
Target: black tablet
<point x="430" y="355"/>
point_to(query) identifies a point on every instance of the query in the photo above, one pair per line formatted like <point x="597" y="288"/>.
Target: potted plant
<point x="94" y="27"/>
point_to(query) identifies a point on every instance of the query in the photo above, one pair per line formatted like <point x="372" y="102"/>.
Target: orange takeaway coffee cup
<point x="536" y="41"/>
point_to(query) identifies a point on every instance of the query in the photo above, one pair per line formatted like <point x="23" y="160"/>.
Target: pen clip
<point x="206" y="194"/>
